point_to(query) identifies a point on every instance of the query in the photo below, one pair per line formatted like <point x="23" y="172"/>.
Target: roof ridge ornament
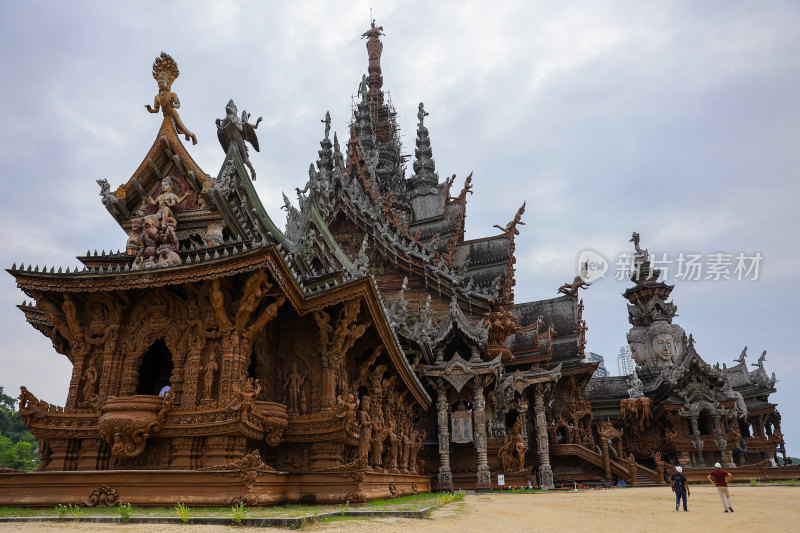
<point x="235" y="130"/>
<point x="165" y="71"/>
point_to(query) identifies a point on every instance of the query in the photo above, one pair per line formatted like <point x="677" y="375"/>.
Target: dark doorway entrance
<point x="155" y="369"/>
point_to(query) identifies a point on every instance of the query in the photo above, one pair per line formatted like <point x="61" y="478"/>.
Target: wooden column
<point x="484" y="482"/>
<point x="190" y="381"/>
<point x="545" y="470"/>
<point x="445" y="476"/>
<point x="697" y="441"/>
<point x="606" y="460"/>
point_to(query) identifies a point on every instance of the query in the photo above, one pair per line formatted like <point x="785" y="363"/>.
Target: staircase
<point x="645" y="477"/>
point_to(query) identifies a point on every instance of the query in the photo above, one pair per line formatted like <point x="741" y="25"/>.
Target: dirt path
<point x="757" y="509"/>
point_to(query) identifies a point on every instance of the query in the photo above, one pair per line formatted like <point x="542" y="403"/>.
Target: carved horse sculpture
<point x="638" y="410"/>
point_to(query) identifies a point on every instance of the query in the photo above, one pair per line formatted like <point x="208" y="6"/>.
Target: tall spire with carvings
<point x="425" y="177"/>
<point x="375" y="79"/>
<point x="389" y="172"/>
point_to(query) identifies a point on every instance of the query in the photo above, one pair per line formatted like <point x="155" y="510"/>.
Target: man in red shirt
<point x="720" y="478"/>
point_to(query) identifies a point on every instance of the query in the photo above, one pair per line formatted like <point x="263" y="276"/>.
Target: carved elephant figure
<point x="638" y="410"/>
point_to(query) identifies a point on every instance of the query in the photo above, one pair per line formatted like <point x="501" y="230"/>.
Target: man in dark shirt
<point x="720" y="478"/>
<point x="680" y="487"/>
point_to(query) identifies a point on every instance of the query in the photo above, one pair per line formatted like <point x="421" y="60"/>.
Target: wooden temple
<point x="366" y="350"/>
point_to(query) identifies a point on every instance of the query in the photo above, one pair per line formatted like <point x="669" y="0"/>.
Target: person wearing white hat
<point x="720" y="478"/>
<point x="680" y="487"/>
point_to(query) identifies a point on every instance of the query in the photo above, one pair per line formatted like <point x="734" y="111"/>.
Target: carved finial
<point x="511" y="227"/>
<point x="374" y="50"/>
<point x="421" y="113"/>
<point x="165" y="71"/>
<point x="635" y="241"/>
<point x="327" y="122"/>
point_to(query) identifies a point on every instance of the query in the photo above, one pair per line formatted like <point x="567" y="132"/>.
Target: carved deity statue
<point x="379" y="432"/>
<point x="91" y="379"/>
<point x="248" y="391"/>
<point x="364" y="427"/>
<point x="166" y="201"/>
<point x="635" y="386"/>
<point x="165" y="71"/>
<point x="421" y="114"/>
<point x="233" y="129"/>
<point x="292" y="385"/>
<point x="208" y="376"/>
<point x="512" y="451"/>
<point x="419" y="440"/>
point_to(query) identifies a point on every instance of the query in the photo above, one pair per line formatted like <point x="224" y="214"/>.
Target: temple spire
<point x="425" y="177"/>
<point x="375" y="78"/>
<point x="325" y="161"/>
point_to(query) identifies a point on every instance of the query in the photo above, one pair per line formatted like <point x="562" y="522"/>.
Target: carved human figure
<point x="378" y="435"/>
<point x="247" y="391"/>
<point x="71" y="314"/>
<point x="292" y="385"/>
<point x="419" y="440"/>
<point x="165" y="70"/>
<point x="421" y="114"/>
<point x="166" y="201"/>
<point x="303" y="403"/>
<point x="218" y="302"/>
<point x="406" y="447"/>
<point x="346" y="405"/>
<point x="208" y="376"/>
<point x="364" y="427"/>
<point x="635" y="386"/>
<point x="88" y="387"/>
<point x="394" y="445"/>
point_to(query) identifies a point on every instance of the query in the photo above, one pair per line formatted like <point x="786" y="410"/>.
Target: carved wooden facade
<point x="333" y="359"/>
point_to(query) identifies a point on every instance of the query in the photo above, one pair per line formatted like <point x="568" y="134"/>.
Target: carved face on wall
<point x="664" y="348"/>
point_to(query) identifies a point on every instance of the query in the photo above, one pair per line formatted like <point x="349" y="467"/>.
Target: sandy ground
<point x="757" y="509"/>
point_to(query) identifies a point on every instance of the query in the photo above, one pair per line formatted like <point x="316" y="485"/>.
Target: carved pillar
<point x="58" y="454"/>
<point x="697" y="441"/>
<point x="228" y="367"/>
<point x="719" y="440"/>
<point x="192" y="371"/>
<point x="445" y="476"/>
<point x="484" y="483"/>
<point x="606" y="459"/>
<point x="106" y="375"/>
<point x="181" y="449"/>
<point x="522" y="412"/>
<point x="328" y="385"/>
<point x="545" y="471"/>
<point x="77" y="373"/>
<point x="87" y="454"/>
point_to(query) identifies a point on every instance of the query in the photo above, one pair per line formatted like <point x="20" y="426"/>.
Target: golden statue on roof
<point x="165" y="70"/>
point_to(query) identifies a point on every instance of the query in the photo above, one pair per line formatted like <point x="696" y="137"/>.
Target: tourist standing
<point x="680" y="487"/>
<point x="720" y="478"/>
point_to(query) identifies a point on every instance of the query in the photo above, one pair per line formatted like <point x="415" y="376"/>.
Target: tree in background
<point x="18" y="447"/>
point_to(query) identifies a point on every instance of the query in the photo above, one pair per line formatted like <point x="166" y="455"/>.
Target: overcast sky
<point x="679" y="120"/>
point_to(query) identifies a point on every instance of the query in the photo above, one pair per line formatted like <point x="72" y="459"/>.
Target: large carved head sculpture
<point x="665" y="342"/>
<point x="636" y="340"/>
<point x="656" y="346"/>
